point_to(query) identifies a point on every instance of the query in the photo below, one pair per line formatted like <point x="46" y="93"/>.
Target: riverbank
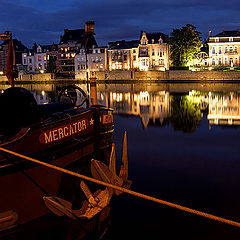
<point x="172" y="76"/>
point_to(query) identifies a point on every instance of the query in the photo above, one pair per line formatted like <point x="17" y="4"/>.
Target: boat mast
<point x="10" y="68"/>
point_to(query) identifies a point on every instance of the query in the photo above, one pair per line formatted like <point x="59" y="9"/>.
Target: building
<point x="19" y="49"/>
<point x="96" y="60"/>
<point x="70" y="44"/>
<point x="38" y="58"/>
<point x="224" y="49"/>
<point x="153" y="52"/>
<point x="122" y="55"/>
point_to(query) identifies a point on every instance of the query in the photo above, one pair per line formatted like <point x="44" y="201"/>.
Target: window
<point x="217" y="39"/>
<point x="220" y="50"/>
<point x="235" y="49"/>
<point x="226" y="61"/>
<point x="226" y="49"/>
<point x="230" y="49"/>
<point x="30" y="60"/>
<point x="231" y="39"/>
<point x="213" y="50"/>
<point x="152" y="52"/>
<point x="213" y="62"/>
<point x="219" y="61"/>
<point x="39" y="58"/>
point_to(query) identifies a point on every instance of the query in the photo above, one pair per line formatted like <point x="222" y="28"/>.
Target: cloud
<point x="43" y="21"/>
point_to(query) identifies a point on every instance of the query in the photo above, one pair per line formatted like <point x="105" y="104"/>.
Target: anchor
<point x="93" y="205"/>
<point x="101" y="198"/>
<point x="101" y="171"/>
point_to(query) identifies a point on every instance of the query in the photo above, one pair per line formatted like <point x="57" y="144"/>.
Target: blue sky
<point x="43" y="21"/>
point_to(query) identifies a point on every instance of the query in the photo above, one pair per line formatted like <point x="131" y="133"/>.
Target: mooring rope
<point x="140" y="195"/>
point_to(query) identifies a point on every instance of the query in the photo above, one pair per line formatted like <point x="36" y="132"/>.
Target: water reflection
<point x="158" y="106"/>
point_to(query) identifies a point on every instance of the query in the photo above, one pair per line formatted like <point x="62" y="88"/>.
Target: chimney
<point x="89" y="27"/>
<point x="209" y="33"/>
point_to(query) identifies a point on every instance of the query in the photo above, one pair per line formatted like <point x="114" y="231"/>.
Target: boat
<point x="63" y="134"/>
<point x="68" y="134"/>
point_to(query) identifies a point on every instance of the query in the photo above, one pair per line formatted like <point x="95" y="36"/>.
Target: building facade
<point x="224" y="49"/>
<point x="96" y="61"/>
<point x="71" y="43"/>
<point x="153" y="52"/>
<point x="37" y="59"/>
<point x="122" y="55"/>
<point x="19" y="48"/>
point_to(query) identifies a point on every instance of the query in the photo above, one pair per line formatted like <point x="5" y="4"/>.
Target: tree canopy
<point x="185" y="44"/>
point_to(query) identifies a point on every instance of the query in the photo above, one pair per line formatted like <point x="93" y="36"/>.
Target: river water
<point x="183" y="147"/>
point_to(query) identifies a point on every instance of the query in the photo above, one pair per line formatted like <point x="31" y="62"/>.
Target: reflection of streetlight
<point x="43" y="93"/>
<point x="41" y="71"/>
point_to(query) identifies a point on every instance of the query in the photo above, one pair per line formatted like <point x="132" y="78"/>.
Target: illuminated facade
<point x="36" y="60"/>
<point x="224" y="109"/>
<point x="224" y="49"/>
<point x="70" y="44"/>
<point x="96" y="58"/>
<point x="122" y="55"/>
<point x="153" y="52"/>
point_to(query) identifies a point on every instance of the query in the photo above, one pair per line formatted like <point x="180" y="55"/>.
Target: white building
<point x="153" y="52"/>
<point x="36" y="59"/>
<point x="224" y="49"/>
<point x="96" y="61"/>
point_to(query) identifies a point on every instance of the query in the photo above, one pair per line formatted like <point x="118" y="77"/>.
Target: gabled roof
<point x="155" y="36"/>
<point x="234" y="33"/>
<point x="123" y="44"/>
<point x="77" y="36"/>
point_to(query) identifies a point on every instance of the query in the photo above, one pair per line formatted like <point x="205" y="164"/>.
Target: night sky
<point x="43" y="21"/>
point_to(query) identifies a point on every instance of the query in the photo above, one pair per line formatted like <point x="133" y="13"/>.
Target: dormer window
<point x="160" y="41"/>
<point x="231" y="39"/>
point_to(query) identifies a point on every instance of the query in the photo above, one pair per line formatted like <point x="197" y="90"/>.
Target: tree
<point x="186" y="114"/>
<point x="185" y="44"/>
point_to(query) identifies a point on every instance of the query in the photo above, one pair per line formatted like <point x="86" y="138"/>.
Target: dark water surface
<point x="183" y="147"/>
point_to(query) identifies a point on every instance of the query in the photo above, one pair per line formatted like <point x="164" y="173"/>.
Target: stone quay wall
<point x="179" y="75"/>
<point x="172" y="75"/>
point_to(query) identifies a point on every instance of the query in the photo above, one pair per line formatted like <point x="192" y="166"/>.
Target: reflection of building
<point x="224" y="49"/>
<point x="151" y="107"/>
<point x="224" y="109"/>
